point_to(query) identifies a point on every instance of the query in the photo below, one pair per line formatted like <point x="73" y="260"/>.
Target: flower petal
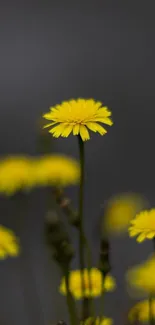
<point x="48" y="125"/>
<point x="105" y="120"/>
<point x="151" y="234"/>
<point x="95" y="127"/>
<point x="57" y="130"/>
<point x="76" y="129"/>
<point x="103" y="112"/>
<point x="141" y="238"/>
<point x="84" y="133"/>
<point x="67" y="131"/>
<point x="47" y="116"/>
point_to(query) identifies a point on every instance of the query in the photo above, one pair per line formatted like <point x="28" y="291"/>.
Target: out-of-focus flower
<point x="97" y="321"/>
<point x="78" y="116"/>
<point x="57" y="170"/>
<point x="143" y="226"/>
<point x="141" y="311"/>
<point x="16" y="173"/>
<point x="8" y="243"/>
<point x="120" y="210"/>
<point x="141" y="278"/>
<point x="93" y="289"/>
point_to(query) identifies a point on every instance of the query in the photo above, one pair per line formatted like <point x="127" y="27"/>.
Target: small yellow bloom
<point x="16" y="173"/>
<point x="78" y="116"/>
<point x="143" y="225"/>
<point x="141" y="278"/>
<point x="57" y="170"/>
<point x="141" y="311"/>
<point x="95" y="276"/>
<point x="120" y="210"/>
<point x="97" y="321"/>
<point x="8" y="243"/>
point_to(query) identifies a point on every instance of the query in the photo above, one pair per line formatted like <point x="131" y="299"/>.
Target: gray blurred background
<point x="56" y="50"/>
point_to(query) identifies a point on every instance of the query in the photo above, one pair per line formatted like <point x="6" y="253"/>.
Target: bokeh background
<point x="56" y="50"/>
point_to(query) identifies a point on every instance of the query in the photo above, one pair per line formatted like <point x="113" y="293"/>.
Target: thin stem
<point x="73" y="219"/>
<point x="89" y="265"/>
<point x="151" y="318"/>
<point x="80" y="225"/>
<point x="69" y="298"/>
<point x="153" y="240"/>
<point x="87" y="304"/>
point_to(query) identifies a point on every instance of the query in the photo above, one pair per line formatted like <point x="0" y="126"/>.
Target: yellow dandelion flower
<point x="141" y="278"/>
<point x="143" y="225"/>
<point x="78" y="116"/>
<point x="16" y="173"/>
<point x="97" y="321"/>
<point x="141" y="311"/>
<point x="57" y="170"/>
<point x="8" y="243"/>
<point x="120" y="210"/>
<point x="96" y="288"/>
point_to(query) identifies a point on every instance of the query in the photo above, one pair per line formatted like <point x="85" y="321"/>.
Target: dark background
<point x="56" y="50"/>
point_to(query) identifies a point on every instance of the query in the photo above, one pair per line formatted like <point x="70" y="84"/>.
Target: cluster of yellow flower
<point x="127" y="212"/>
<point x="8" y="243"/>
<point x="97" y="321"/>
<point x="93" y="283"/>
<point x="24" y="173"/>
<point x="17" y="173"/>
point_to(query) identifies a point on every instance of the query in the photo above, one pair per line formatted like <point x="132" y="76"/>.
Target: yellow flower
<point x="97" y="321"/>
<point x="141" y="311"/>
<point x="78" y="116"/>
<point x="57" y="170"/>
<point x="141" y="278"/>
<point x="8" y="243"/>
<point x="120" y="210"/>
<point x="16" y="173"/>
<point x="97" y="287"/>
<point x="143" y="225"/>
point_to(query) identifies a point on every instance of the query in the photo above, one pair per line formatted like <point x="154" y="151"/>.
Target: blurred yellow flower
<point x="143" y="226"/>
<point x="97" y="321"/>
<point x="141" y="311"/>
<point x="57" y="170"/>
<point x="8" y="243"/>
<point x="120" y="210"/>
<point x="97" y="287"/>
<point x="78" y="116"/>
<point x="16" y="173"/>
<point x="141" y="278"/>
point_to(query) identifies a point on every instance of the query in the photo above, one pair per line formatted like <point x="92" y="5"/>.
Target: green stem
<point x="73" y="220"/>
<point x="151" y="318"/>
<point x="69" y="298"/>
<point x="87" y="304"/>
<point x="80" y="226"/>
<point x="89" y="265"/>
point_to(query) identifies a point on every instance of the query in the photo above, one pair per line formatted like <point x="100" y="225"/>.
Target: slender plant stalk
<point x="151" y="318"/>
<point x="87" y="304"/>
<point x="70" y="301"/>
<point x="80" y="226"/>
<point x="72" y="216"/>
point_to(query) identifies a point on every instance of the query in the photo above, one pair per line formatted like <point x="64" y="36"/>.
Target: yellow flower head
<point x="141" y="311"/>
<point x="141" y="278"/>
<point x="78" y="116"/>
<point x="143" y="225"/>
<point x="94" y="290"/>
<point x="97" y="321"/>
<point x="120" y="210"/>
<point x="16" y="173"/>
<point x="8" y="243"/>
<point x="57" y="170"/>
